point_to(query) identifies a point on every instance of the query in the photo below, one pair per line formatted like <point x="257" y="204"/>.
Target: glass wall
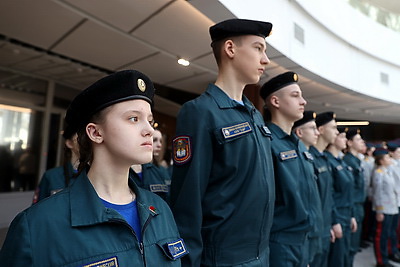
<point x="380" y="15"/>
<point x="20" y="142"/>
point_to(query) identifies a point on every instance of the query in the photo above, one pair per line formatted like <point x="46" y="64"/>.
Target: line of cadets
<point x="278" y="192"/>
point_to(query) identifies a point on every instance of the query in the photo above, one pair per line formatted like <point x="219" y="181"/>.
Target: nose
<point x="148" y="129"/>
<point x="265" y="60"/>
<point x="303" y="101"/>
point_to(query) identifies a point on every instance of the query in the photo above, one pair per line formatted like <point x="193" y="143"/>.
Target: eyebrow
<point x="260" y="43"/>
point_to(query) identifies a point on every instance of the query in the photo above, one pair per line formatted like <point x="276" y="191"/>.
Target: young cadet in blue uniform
<point x="355" y="144"/>
<point x="306" y="130"/>
<point x="326" y="126"/>
<point x="343" y="220"/>
<point x="296" y="189"/>
<point x="103" y="218"/>
<point x="222" y="189"/>
<point x="56" y="179"/>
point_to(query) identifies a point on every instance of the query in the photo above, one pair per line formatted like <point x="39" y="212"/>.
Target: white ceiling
<point x="75" y="42"/>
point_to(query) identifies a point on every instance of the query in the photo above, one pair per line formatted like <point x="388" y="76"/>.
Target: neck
<point x="285" y="125"/>
<point x="321" y="145"/>
<point x="353" y="152"/>
<point x="334" y="151"/>
<point x="228" y="83"/>
<point x="111" y="184"/>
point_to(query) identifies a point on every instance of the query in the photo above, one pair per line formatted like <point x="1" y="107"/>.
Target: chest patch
<point x="182" y="149"/>
<point x="110" y="262"/>
<point x="285" y="155"/>
<point x="177" y="249"/>
<point x="159" y="188"/>
<point x="235" y="130"/>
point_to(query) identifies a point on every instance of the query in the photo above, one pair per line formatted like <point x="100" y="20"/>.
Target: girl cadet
<point x="56" y="179"/>
<point x="103" y="219"/>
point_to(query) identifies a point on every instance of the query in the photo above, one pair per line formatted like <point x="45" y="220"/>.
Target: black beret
<point x="68" y="132"/>
<point x="307" y="117"/>
<point x="117" y="87"/>
<point x="351" y="133"/>
<point x="324" y="118"/>
<point x="236" y="27"/>
<point x="278" y="82"/>
<point x="380" y="151"/>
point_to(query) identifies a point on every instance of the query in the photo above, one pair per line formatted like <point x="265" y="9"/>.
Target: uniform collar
<point x="279" y="133"/>
<point x="224" y="101"/>
<point x="316" y="152"/>
<point x="88" y="209"/>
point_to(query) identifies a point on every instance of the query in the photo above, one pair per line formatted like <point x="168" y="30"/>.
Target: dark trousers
<point x="284" y="255"/>
<point x="339" y="254"/>
<point x="385" y="232"/>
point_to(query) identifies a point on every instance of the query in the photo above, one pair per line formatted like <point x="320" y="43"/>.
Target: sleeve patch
<point x="182" y="149"/>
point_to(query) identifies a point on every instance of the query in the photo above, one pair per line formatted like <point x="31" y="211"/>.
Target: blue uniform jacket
<point x="297" y="205"/>
<point x="53" y="181"/>
<point x="343" y="184"/>
<point x="222" y="193"/>
<point x="358" y="175"/>
<point x="74" y="228"/>
<point x="325" y="188"/>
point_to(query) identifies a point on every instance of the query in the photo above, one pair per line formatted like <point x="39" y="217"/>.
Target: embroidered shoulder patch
<point x="182" y="149"/>
<point x="235" y="130"/>
<point x="177" y="249"/>
<point x="110" y="262"/>
<point x="285" y="155"/>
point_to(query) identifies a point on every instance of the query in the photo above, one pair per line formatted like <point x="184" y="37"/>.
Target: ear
<point x="298" y="132"/>
<point x="274" y="100"/>
<point x="94" y="133"/>
<point x="69" y="143"/>
<point x="229" y="48"/>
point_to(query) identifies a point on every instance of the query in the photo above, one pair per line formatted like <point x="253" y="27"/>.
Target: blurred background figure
<point x="56" y="179"/>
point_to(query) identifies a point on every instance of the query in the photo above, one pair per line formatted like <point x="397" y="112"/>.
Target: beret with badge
<point x="118" y="87"/>
<point x="237" y="27"/>
<point x="278" y="82"/>
<point x="307" y="117"/>
<point x="324" y="118"/>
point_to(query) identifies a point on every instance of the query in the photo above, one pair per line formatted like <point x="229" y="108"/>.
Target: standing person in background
<point x="343" y="220"/>
<point x="306" y="130"/>
<point x="355" y="144"/>
<point x="56" y="179"/>
<point x="327" y="129"/>
<point x="151" y="176"/>
<point x="368" y="165"/>
<point x="297" y="202"/>
<point x="103" y="218"/>
<point x="394" y="153"/>
<point x="385" y="203"/>
<point x="222" y="189"/>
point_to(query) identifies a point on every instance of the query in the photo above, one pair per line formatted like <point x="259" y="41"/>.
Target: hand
<point x="337" y="229"/>
<point x="333" y="237"/>
<point x="353" y="225"/>
<point x="380" y="217"/>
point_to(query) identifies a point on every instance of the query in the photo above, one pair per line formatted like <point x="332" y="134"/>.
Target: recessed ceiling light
<point x="183" y="62"/>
